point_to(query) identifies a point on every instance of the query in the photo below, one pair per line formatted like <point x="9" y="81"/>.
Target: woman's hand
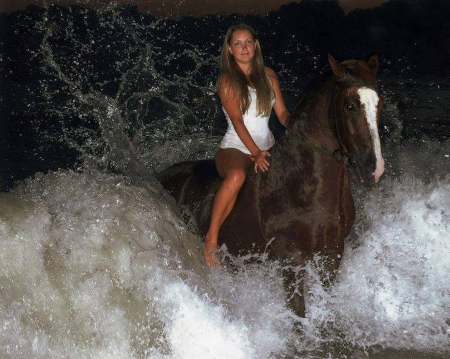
<point x="261" y="161"/>
<point x="211" y="257"/>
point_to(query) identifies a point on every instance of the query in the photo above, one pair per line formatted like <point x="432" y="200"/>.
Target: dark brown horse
<point x="303" y="202"/>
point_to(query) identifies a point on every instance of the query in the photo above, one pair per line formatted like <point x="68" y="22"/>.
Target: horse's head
<point x="356" y="114"/>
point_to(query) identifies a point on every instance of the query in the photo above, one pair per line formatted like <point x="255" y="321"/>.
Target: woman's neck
<point x="246" y="69"/>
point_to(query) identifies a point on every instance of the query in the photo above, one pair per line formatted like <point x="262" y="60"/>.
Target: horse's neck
<point x="312" y="121"/>
<point x="311" y="125"/>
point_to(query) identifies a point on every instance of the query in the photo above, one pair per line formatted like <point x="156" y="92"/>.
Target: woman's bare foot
<point x="211" y="256"/>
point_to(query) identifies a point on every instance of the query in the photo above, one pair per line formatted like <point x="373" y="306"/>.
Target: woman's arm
<point x="230" y="102"/>
<point x="279" y="106"/>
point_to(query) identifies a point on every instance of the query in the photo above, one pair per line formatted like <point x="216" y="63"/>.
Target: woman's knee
<point x="235" y="178"/>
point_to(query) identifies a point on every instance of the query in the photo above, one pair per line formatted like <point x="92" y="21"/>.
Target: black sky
<point x="177" y="8"/>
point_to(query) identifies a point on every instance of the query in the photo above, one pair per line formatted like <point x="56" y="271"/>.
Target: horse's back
<point x="176" y="177"/>
<point x="193" y="184"/>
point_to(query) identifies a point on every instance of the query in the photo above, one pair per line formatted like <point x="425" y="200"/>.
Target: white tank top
<point x="257" y="126"/>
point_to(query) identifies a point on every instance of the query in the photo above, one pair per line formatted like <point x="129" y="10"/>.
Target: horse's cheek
<point x="352" y="126"/>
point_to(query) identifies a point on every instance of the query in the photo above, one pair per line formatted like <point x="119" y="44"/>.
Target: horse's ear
<point x="373" y="64"/>
<point x="337" y="67"/>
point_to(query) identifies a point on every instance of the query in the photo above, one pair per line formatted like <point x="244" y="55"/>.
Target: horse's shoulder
<point x="186" y="175"/>
<point x="206" y="166"/>
<point x="188" y="168"/>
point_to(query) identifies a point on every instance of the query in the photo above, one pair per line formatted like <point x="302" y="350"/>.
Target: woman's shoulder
<point x="223" y="82"/>
<point x="225" y="86"/>
<point x="270" y="72"/>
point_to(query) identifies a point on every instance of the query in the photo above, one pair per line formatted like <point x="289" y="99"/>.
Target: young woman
<point x="248" y="91"/>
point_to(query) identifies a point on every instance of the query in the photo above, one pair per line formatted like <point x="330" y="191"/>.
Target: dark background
<point x="412" y="40"/>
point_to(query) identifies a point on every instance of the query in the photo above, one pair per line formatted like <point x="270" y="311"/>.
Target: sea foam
<point x="95" y="265"/>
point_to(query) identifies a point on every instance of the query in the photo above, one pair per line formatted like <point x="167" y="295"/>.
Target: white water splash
<point x="95" y="265"/>
<point x="393" y="290"/>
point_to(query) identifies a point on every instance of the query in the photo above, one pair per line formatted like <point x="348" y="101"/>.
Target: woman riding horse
<point x="248" y="90"/>
<point x="303" y="205"/>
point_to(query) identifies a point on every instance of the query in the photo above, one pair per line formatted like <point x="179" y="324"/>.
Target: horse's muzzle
<point x="366" y="175"/>
<point x="379" y="170"/>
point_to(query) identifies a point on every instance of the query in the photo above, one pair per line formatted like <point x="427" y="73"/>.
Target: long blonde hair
<point x="238" y="82"/>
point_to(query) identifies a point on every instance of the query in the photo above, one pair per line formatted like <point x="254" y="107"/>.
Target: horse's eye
<point x="350" y="107"/>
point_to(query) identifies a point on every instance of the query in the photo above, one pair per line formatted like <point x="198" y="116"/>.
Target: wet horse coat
<point x="303" y="202"/>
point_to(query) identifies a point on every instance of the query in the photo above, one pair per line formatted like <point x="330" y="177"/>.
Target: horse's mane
<point x="314" y="86"/>
<point x="323" y="77"/>
<point x="357" y="73"/>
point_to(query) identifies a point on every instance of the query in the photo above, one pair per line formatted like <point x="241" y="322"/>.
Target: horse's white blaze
<point x="369" y="99"/>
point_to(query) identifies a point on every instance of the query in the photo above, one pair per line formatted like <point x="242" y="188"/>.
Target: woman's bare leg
<point x="232" y="165"/>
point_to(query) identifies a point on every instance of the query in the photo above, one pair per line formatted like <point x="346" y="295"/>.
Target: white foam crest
<point x="197" y="328"/>
<point x="92" y="266"/>
<point x="255" y="294"/>
<point x="70" y="268"/>
<point x="393" y="289"/>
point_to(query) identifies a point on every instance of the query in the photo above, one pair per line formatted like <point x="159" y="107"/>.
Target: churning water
<point x="95" y="261"/>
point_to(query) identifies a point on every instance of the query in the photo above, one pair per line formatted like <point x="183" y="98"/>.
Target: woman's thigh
<point x="231" y="159"/>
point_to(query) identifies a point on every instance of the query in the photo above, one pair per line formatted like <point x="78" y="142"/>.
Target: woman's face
<point x="242" y="46"/>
